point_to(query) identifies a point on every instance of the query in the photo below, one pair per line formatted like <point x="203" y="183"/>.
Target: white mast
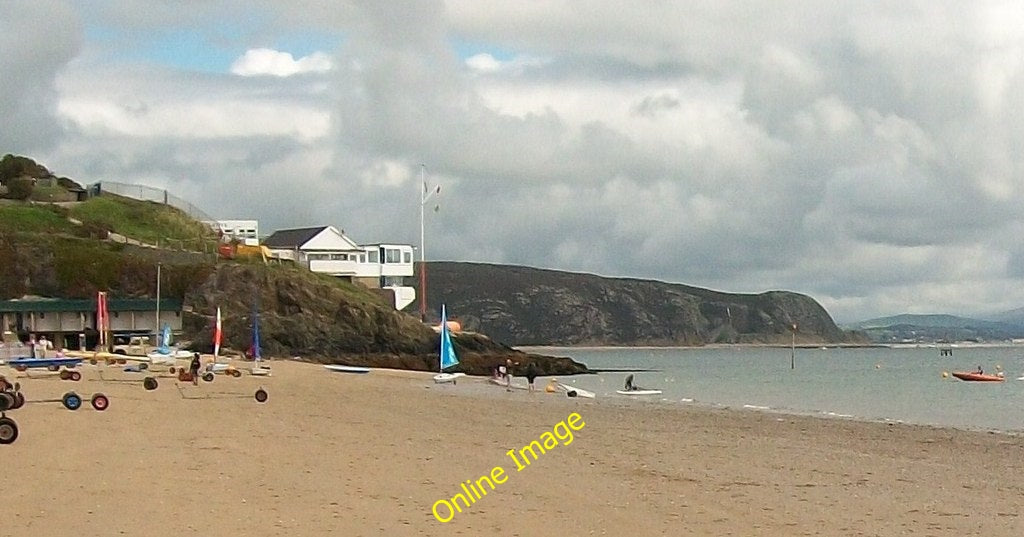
<point x="157" y="327"/>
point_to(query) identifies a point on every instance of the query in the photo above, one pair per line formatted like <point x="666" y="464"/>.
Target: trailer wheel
<point x="261" y="395"/>
<point x="19" y="400"/>
<point x="171" y="370"/>
<point x="149" y="383"/>
<point x="208" y="377"/>
<point x="75" y="376"/>
<point x="72" y="401"/>
<point x="65" y="374"/>
<point x="100" y="401"/>
<point x="236" y="373"/>
<point x="7" y="401"/>
<point x="8" y="430"/>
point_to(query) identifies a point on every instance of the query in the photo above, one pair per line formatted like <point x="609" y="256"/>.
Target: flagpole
<point x="423" y="247"/>
<point x="156" y="329"/>
<point x="424" y="197"/>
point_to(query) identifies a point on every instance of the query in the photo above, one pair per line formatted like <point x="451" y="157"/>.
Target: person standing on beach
<point x="531" y="374"/>
<point x="193" y="368"/>
<point x="508" y="374"/>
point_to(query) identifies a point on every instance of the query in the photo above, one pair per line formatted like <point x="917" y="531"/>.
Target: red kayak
<point x="976" y="377"/>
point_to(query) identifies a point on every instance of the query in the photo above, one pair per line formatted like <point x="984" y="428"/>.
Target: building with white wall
<point x="326" y="250"/>
<point x="238" y="229"/>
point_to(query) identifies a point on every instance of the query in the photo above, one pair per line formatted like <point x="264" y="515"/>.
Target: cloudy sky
<point x="869" y="154"/>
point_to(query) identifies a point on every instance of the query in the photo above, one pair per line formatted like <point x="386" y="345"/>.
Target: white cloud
<point x="265" y="61"/>
<point x="866" y="156"/>
<point x="483" y="62"/>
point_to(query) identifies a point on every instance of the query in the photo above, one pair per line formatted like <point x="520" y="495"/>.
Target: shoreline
<point x="639" y="404"/>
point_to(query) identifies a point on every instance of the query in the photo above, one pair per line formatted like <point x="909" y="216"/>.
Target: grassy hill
<point x="66" y="251"/>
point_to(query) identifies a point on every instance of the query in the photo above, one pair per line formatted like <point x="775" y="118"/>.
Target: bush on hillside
<point x="20" y="188"/>
<point x="13" y="167"/>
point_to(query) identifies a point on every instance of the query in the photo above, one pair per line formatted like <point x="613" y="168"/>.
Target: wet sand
<point x="343" y="454"/>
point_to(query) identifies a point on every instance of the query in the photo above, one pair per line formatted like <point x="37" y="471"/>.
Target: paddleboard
<point x="501" y="382"/>
<point x="341" y="369"/>
<point x="638" y="392"/>
<point x="573" y="391"/>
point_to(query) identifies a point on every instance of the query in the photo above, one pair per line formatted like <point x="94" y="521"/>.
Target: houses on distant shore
<point x="327" y="250"/>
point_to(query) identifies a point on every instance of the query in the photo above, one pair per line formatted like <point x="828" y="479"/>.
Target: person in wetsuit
<point x="629" y="383"/>
<point x="531" y="374"/>
<point x="193" y="368"/>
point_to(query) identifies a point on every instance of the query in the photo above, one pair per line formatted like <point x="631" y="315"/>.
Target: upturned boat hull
<point x="976" y="377"/>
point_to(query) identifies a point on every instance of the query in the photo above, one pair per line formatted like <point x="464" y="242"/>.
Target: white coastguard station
<point x="326" y="250"/>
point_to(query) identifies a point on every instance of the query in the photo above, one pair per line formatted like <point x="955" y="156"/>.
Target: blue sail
<point x="447" y="352"/>
<point x="256" y="335"/>
<point x="164" y="346"/>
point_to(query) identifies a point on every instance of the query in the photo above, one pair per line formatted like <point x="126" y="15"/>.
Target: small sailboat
<point x="164" y="353"/>
<point x="446" y="354"/>
<point x="217" y="366"/>
<point x="257" y="358"/>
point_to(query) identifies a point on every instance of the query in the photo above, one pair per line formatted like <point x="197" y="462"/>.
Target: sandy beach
<point x="341" y="454"/>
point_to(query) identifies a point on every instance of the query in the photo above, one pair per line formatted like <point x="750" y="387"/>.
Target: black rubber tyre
<point x="8" y="430"/>
<point x="149" y="383"/>
<point x="261" y="395"/>
<point x="99" y="402"/>
<point x="236" y="373"/>
<point x="72" y="401"/>
<point x="7" y="401"/>
<point x="75" y="376"/>
<point x="19" y="400"/>
<point x="208" y="377"/>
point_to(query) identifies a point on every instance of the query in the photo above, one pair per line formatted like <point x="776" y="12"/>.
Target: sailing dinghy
<point x="446" y="354"/>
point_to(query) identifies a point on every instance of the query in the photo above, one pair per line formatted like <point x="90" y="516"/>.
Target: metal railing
<point x="149" y="193"/>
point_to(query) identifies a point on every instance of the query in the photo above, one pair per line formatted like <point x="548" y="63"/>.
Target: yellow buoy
<point x="945" y="374"/>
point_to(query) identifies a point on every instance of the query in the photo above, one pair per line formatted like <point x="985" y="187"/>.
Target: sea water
<point x="887" y="384"/>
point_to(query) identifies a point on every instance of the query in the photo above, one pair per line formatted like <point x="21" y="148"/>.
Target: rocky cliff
<point x="528" y="306"/>
<point x="322" y="319"/>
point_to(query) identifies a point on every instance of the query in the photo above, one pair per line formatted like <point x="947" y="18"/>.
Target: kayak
<point x="976" y="377"/>
<point x="638" y="392"/>
<point x="340" y="369"/>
